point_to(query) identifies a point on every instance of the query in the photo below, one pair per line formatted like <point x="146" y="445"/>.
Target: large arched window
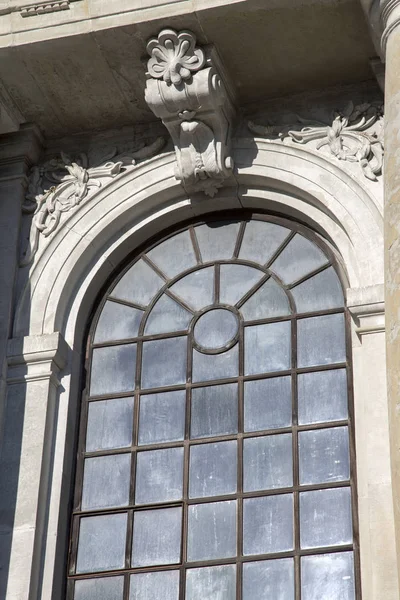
<point x="215" y="448"/>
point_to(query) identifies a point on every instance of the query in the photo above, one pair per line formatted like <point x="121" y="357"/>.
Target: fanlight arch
<point x="215" y="440"/>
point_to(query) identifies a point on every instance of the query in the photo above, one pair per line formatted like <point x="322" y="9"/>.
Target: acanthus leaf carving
<point x="185" y="89"/>
<point x="61" y="184"/>
<point x="353" y="135"/>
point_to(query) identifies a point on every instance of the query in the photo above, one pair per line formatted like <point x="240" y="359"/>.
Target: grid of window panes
<point x="214" y="458"/>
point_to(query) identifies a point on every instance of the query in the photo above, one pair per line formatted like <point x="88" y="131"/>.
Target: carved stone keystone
<point x="186" y="89"/>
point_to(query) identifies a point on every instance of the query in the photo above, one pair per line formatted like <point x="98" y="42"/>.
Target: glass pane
<point x="157" y="537"/>
<point x="139" y="285"/>
<point x="322" y="396"/>
<point x="164" y="362"/>
<point x="324" y="455"/>
<point x="321" y="292"/>
<point x="325" y="518"/>
<point x="214" y="410"/>
<point x="261" y="240"/>
<point x="299" y="258"/>
<point x="106" y="481"/>
<point x="267" y="302"/>
<point x="101" y="543"/>
<point x="207" y="367"/>
<point x="269" y="580"/>
<point x="151" y="586"/>
<point x="109" y="424"/>
<point x="267" y="348"/>
<point x="117" y="322"/>
<point x="167" y="315"/>
<point x="328" y="576"/>
<point x="159" y="475"/>
<point x="321" y="340"/>
<point x="174" y="255"/>
<point x="215" y="329"/>
<point x="236" y="281"/>
<point x="211" y="583"/>
<point x="213" y="469"/>
<point x="106" y="588"/>
<point x="162" y="417"/>
<point x="217" y="240"/>
<point x="212" y="530"/>
<point x="113" y="369"/>
<point x="196" y="289"/>
<point x="267" y="404"/>
<point x="268" y="524"/>
<point x="267" y="462"/>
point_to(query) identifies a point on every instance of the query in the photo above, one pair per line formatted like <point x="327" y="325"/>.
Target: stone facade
<point x="169" y="119"/>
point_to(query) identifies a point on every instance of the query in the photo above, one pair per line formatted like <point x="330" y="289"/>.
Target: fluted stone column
<point x="390" y="43"/>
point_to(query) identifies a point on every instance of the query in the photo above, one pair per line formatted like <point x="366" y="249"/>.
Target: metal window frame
<point x="243" y="217"/>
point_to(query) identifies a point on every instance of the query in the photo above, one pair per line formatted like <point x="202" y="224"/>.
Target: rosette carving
<point x="186" y="90"/>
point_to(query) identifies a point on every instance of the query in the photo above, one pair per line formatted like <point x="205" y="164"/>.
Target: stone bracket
<point x="367" y="307"/>
<point x="188" y="90"/>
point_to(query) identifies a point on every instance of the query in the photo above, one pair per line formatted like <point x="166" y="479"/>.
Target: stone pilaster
<point x="390" y="43"/>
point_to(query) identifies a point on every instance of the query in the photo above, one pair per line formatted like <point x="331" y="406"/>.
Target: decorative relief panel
<point x="61" y="184"/>
<point x="185" y="89"/>
<point x="354" y="135"/>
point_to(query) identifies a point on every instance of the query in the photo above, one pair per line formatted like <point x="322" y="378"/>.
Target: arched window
<point x="214" y="459"/>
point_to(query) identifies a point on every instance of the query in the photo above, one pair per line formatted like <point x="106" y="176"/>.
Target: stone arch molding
<point x="74" y="263"/>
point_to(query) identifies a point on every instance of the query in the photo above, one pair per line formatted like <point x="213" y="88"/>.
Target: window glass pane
<point x="214" y="410"/>
<point x="139" y="285"/>
<point x="328" y="576"/>
<point x="167" y="315"/>
<point x="299" y="258"/>
<point x="113" y="369"/>
<point x="321" y="340"/>
<point x="212" y="530"/>
<point x="109" y="424"/>
<point x="159" y="475"/>
<point x="236" y="281"/>
<point x="101" y="543"/>
<point x="217" y="240"/>
<point x="322" y="396"/>
<point x="267" y="524"/>
<point x="213" y="469"/>
<point x="324" y="455"/>
<point x="267" y="348"/>
<point x="207" y="367"/>
<point x="325" y="518"/>
<point x="267" y="302"/>
<point x="196" y="289"/>
<point x="117" y="322"/>
<point x="174" y="255"/>
<point x="320" y="292"/>
<point x="105" y="588"/>
<point x="164" y="362"/>
<point x="261" y="240"/>
<point x="157" y="537"/>
<point x="215" y="329"/>
<point x="162" y="417"/>
<point x="151" y="586"/>
<point x="267" y="462"/>
<point x="267" y="403"/>
<point x="211" y="583"/>
<point x="106" y="481"/>
<point x="269" y="580"/>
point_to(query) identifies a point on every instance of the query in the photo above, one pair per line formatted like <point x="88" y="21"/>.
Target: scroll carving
<point x="185" y="89"/>
<point x="61" y="184"/>
<point x="353" y="135"/>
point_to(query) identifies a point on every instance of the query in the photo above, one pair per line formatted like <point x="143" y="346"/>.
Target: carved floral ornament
<point x="61" y="184"/>
<point x="354" y="135"/>
<point x="185" y="89"/>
